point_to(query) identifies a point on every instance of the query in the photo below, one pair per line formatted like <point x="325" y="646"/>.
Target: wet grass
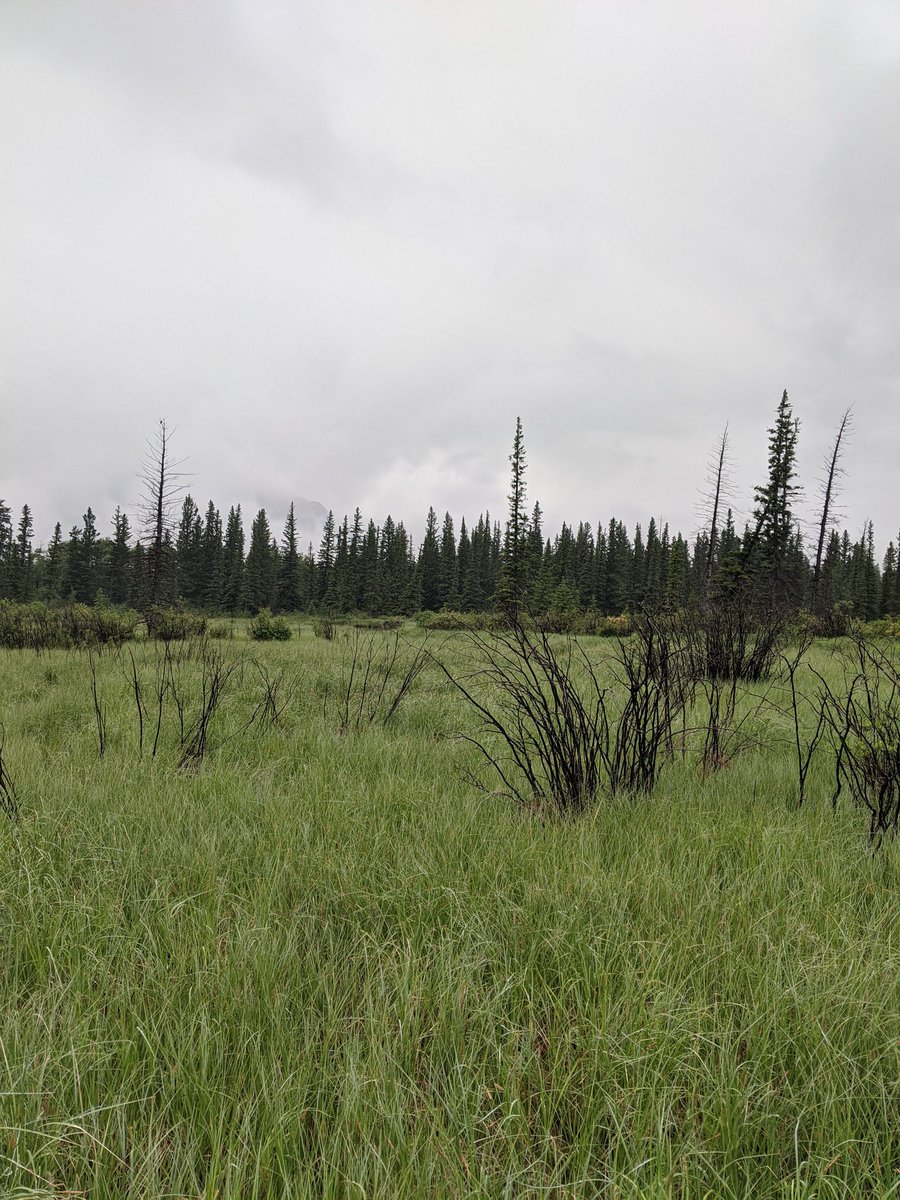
<point x="323" y="965"/>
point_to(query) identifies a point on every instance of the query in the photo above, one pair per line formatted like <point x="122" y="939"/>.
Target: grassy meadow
<point x="321" y="963"/>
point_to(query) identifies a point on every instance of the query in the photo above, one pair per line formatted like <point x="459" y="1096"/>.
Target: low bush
<point x="266" y="628"/>
<point x="174" y="624"/>
<point x="446" y="619"/>
<point x="220" y="629"/>
<point x="39" y="626"/>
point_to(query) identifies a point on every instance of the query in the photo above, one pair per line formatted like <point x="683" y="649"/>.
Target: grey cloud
<point x="342" y="246"/>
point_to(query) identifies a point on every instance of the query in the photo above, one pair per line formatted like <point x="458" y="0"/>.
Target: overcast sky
<point x="342" y="245"/>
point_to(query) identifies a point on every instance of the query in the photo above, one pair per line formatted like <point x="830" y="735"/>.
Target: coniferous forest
<point x="176" y="552"/>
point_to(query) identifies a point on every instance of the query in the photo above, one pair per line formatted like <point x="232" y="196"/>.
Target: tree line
<point x="197" y="558"/>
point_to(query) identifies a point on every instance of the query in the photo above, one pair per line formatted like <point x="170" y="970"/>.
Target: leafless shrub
<point x="554" y="733"/>
<point x="9" y="801"/>
<point x="377" y="674"/>
<point x="653" y="667"/>
<point x="862" y="723"/>
<point x="731" y="639"/>
<point x="545" y="735"/>
<point x="216" y="672"/>
<point x="136" y="691"/>
<point x="324" y="627"/>
<point x="278" y="692"/>
<point x="99" y="713"/>
<point x="801" y="702"/>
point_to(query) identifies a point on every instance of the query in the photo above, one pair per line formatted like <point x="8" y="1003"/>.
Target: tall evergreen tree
<point x="767" y="550"/>
<point x="290" y="572"/>
<point x="188" y="548"/>
<point x="117" y="569"/>
<point x="23" y="557"/>
<point x="212" y="561"/>
<point x="6" y="552"/>
<point x="514" y="562"/>
<point x="430" y="565"/>
<point x="260" y="567"/>
<point x="449" y="574"/>
<point x="325" y="561"/>
<point x="233" y="562"/>
<point x="55" y="567"/>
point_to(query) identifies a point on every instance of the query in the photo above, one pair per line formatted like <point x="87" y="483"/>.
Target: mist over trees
<point x="198" y="558"/>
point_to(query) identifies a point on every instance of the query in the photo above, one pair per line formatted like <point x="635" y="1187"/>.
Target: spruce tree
<point x="259" y="569"/>
<point x="325" y="561"/>
<point x="55" y="566"/>
<point x="23" y="557"/>
<point x="290" y="573"/>
<point x="767" y="549"/>
<point x="188" y="551"/>
<point x="449" y="573"/>
<point x="117" y="569"/>
<point x="354" y="556"/>
<point x="88" y="579"/>
<point x="514" y="563"/>
<point x="212" y="561"/>
<point x="889" y="582"/>
<point x="430" y="566"/>
<point x="233" y="562"/>
<point x="6" y="543"/>
<point x="370" y="586"/>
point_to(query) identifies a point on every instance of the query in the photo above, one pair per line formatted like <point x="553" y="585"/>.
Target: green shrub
<point x="174" y="624"/>
<point x="266" y="628"/>
<point x="447" y="619"/>
<point x="220" y="629"/>
<point x="38" y="626"/>
<point x="323" y="627"/>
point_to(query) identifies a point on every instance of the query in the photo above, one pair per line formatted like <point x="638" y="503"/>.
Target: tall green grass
<point x="324" y="965"/>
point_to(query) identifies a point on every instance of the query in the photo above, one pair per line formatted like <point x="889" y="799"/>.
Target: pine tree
<point x="514" y="562"/>
<point x="889" y="583"/>
<point x="233" y="562"/>
<point x="767" y="550"/>
<point x="259" y="568"/>
<point x="6" y="551"/>
<point x="325" y="560"/>
<point x="88" y="580"/>
<point x="212" y="561"/>
<point x="23" y="557"/>
<point x="55" y="566"/>
<point x="338" y="596"/>
<point x="188" y="550"/>
<point x="449" y="573"/>
<point x="466" y="568"/>
<point x="430" y="565"/>
<point x="117" y="569"/>
<point x="354" y="556"/>
<point x="371" y="598"/>
<point x="290" y="580"/>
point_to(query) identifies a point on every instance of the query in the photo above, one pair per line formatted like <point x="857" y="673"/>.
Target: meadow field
<point x="314" y="960"/>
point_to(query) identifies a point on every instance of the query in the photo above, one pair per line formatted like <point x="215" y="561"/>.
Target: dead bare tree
<point x="833" y="471"/>
<point x="160" y="478"/>
<point x="717" y="495"/>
